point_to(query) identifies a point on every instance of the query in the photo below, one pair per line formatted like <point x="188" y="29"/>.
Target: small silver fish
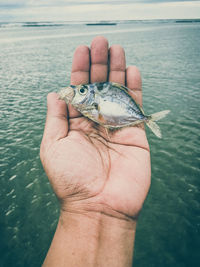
<point x="110" y="105"/>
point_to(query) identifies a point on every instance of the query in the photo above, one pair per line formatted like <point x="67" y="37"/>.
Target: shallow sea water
<point x="37" y="60"/>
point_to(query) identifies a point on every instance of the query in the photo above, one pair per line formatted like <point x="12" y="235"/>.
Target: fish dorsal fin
<point x="142" y="109"/>
<point x="129" y="92"/>
<point x="121" y="87"/>
<point x="124" y="88"/>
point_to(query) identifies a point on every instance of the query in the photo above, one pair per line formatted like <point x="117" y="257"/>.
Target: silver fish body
<point x="108" y="104"/>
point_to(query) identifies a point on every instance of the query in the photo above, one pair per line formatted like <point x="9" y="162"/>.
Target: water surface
<point x="37" y="60"/>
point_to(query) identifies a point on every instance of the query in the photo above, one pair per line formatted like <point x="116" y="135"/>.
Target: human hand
<point x="91" y="172"/>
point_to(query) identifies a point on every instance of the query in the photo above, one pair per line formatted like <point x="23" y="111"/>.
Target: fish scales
<point x="117" y="107"/>
<point x="110" y="105"/>
<point x="121" y="97"/>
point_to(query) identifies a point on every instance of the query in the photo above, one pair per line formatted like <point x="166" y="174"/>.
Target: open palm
<point x="90" y="170"/>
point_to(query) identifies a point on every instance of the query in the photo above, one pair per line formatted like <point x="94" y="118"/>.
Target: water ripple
<point x="36" y="63"/>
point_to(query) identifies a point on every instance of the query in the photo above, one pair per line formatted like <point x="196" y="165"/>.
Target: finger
<point x="56" y="126"/>
<point x="99" y="60"/>
<point x="134" y="82"/>
<point x="80" y="72"/>
<point x="117" y="64"/>
<point x="80" y="66"/>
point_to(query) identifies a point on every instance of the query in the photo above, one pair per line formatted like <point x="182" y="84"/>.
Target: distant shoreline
<point x="187" y="20"/>
<point x="101" y="24"/>
<point x="91" y="23"/>
<point x="41" y="25"/>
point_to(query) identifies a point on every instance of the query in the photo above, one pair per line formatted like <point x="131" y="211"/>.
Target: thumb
<point x="56" y="126"/>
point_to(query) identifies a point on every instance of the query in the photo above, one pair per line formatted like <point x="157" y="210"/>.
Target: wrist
<point x="101" y="238"/>
<point x="97" y="220"/>
<point x="99" y="210"/>
<point x="91" y="238"/>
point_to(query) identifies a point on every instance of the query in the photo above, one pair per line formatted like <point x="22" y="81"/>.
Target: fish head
<point x="67" y="94"/>
<point x="81" y="94"/>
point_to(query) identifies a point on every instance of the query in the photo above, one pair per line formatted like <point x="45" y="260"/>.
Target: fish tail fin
<point x="156" y="117"/>
<point x="159" y="115"/>
<point x="155" y="128"/>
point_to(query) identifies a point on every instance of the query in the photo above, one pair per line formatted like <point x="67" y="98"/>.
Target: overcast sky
<point x="86" y="10"/>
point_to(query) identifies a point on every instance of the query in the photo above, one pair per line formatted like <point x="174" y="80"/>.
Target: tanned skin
<point x="101" y="179"/>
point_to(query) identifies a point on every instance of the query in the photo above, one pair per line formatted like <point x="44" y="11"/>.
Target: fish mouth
<point x="67" y="94"/>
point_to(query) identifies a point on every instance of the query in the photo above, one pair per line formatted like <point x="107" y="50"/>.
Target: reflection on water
<point x="35" y="61"/>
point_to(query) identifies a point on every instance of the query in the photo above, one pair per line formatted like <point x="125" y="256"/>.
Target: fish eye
<point x="83" y="91"/>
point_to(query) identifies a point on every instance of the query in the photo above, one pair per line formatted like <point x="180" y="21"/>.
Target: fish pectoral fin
<point x="90" y="108"/>
<point x="94" y="106"/>
<point x="90" y="111"/>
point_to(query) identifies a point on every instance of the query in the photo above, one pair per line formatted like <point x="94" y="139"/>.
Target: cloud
<point x="58" y="10"/>
<point x="42" y="3"/>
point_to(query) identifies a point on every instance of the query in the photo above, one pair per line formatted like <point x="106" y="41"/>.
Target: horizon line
<point x="34" y="21"/>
